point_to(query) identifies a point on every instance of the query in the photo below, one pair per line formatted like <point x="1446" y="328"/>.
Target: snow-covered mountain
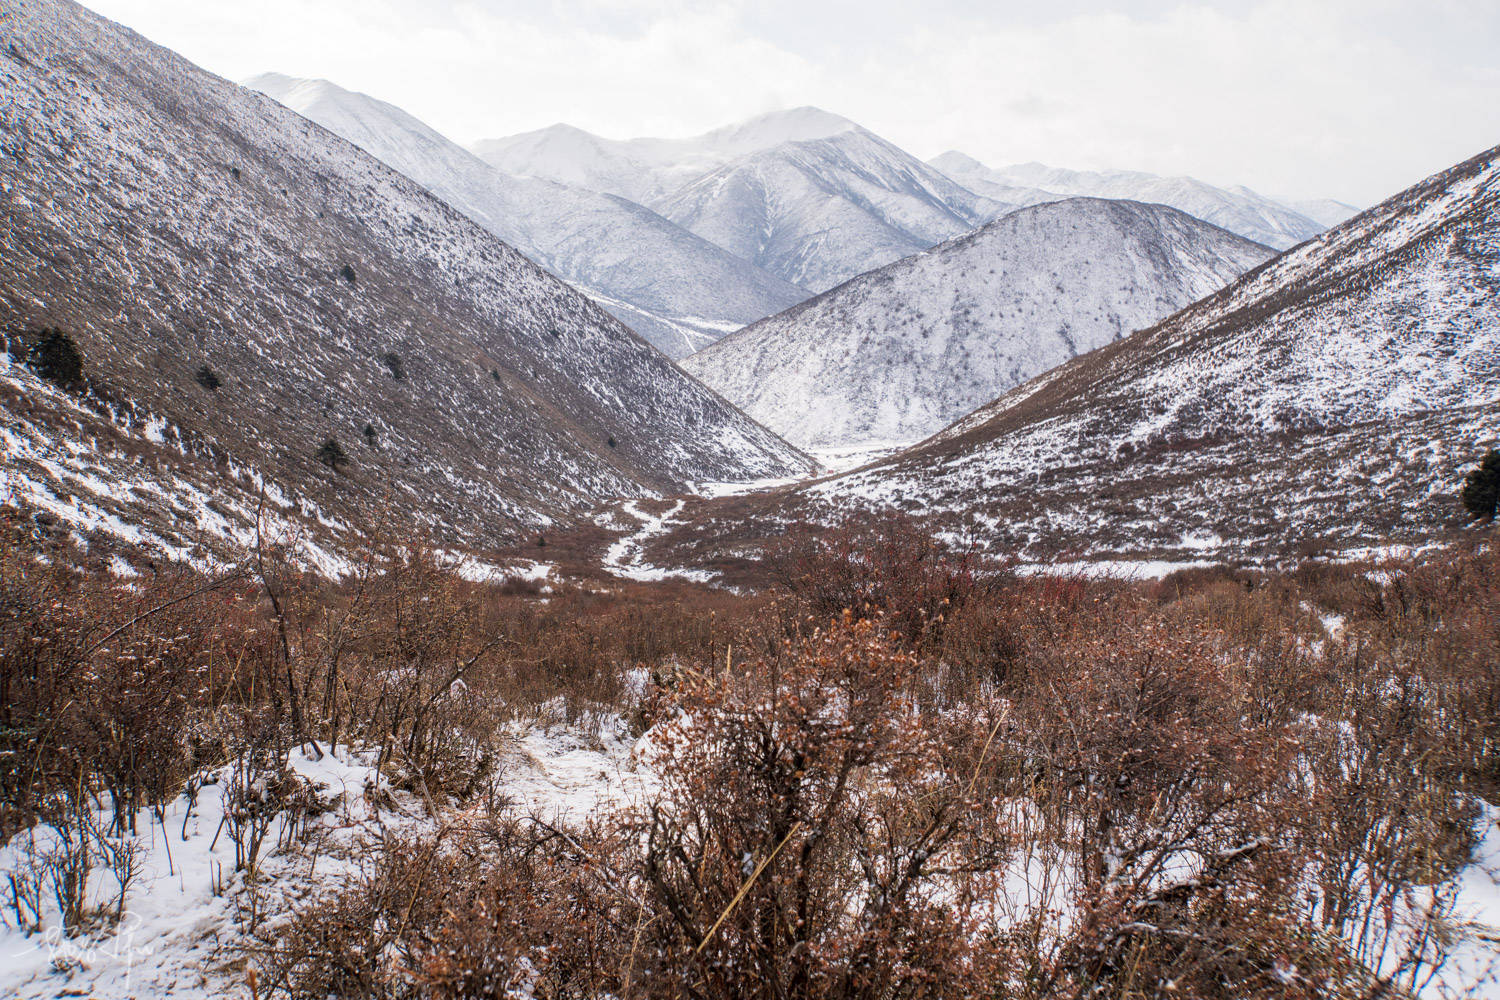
<point x="818" y="212"/>
<point x="895" y="355"/>
<point x="815" y="199"/>
<point x="806" y="195"/>
<point x="1330" y="400"/>
<point x="1236" y="209"/>
<point x="649" y="170"/>
<point x="677" y="290"/>
<point x="246" y="287"/>
<point x="1324" y="211"/>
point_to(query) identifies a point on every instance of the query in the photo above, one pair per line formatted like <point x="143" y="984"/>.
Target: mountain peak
<point x="775" y="128"/>
<point x="280" y="86"/>
<point x="955" y="159"/>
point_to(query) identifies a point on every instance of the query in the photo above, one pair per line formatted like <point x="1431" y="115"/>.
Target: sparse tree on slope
<point x="56" y="357"/>
<point x="332" y="454"/>
<point x="1481" y="492"/>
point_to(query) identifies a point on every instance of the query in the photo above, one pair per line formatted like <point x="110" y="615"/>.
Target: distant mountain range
<point x="675" y="289"/>
<point x="274" y="324"/>
<point x="808" y="196"/>
<point x="658" y="172"/>
<point x="1237" y="209"/>
<point x="897" y="354"/>
<point x="686" y="240"/>
<point x="650" y="170"/>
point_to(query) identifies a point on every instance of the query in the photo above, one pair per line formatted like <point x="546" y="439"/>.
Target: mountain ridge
<point x="1238" y="209"/>
<point x="1328" y="400"/>
<point x="679" y="291"/>
<point x="894" y="355"/>
<point x="174" y="224"/>
<point x="818" y="212"/>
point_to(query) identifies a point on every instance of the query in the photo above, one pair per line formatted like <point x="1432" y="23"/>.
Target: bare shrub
<point x="26" y="882"/>
<point x="123" y="856"/>
<point x="501" y="908"/>
<point x="68" y="862"/>
<point x="805" y="831"/>
<point x="878" y="563"/>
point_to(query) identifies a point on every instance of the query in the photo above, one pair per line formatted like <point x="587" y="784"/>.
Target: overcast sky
<point x="1349" y="99"/>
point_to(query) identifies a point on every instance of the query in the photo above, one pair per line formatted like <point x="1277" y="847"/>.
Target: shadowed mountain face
<point x="171" y="223"/>
<point x="676" y="289"/>
<point x="1328" y="400"/>
<point x="895" y="355"/>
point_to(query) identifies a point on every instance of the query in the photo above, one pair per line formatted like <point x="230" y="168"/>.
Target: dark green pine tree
<point x="56" y="358"/>
<point x="1481" y="493"/>
<point x="332" y="454"/>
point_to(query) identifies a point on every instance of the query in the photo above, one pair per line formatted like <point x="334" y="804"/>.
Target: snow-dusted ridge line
<point x="1370" y="354"/>
<point x="674" y="288"/>
<point x="901" y="352"/>
<point x="1238" y="209"/>
<point x="169" y="220"/>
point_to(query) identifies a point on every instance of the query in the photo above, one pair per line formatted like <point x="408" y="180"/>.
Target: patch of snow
<point x="626" y="556"/>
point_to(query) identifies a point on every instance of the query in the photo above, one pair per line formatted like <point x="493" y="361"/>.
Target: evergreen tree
<point x="1481" y="492"/>
<point x="332" y="454"/>
<point x="56" y="358"/>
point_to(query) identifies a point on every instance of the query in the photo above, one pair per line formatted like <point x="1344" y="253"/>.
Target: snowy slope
<point x="818" y="212"/>
<point x="897" y="354"/>
<point x="1236" y="209"/>
<point x="677" y="290"/>
<point x="170" y="220"/>
<point x="1330" y="400"/>
<point x="648" y="170"/>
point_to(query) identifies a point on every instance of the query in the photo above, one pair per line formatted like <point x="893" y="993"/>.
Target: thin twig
<point x="746" y="887"/>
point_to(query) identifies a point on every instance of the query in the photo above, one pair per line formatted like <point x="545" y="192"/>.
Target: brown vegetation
<point x="904" y="772"/>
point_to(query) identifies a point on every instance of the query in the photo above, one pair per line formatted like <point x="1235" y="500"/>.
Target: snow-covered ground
<point x="179" y="931"/>
<point x="1477" y="959"/>
<point x="1109" y="569"/>
<point x="843" y="459"/>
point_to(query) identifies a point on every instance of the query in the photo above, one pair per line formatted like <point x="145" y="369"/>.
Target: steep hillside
<point x="1327" y="401"/>
<point x="246" y="287"/>
<point x="897" y="354"/>
<point x="649" y="170"/>
<point x="1237" y="209"/>
<point x="677" y="290"/>
<point x="820" y="211"/>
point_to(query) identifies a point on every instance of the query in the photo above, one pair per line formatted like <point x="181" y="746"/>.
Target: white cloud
<point x="1302" y="98"/>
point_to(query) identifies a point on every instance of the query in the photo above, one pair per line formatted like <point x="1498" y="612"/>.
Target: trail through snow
<point x="627" y="556"/>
